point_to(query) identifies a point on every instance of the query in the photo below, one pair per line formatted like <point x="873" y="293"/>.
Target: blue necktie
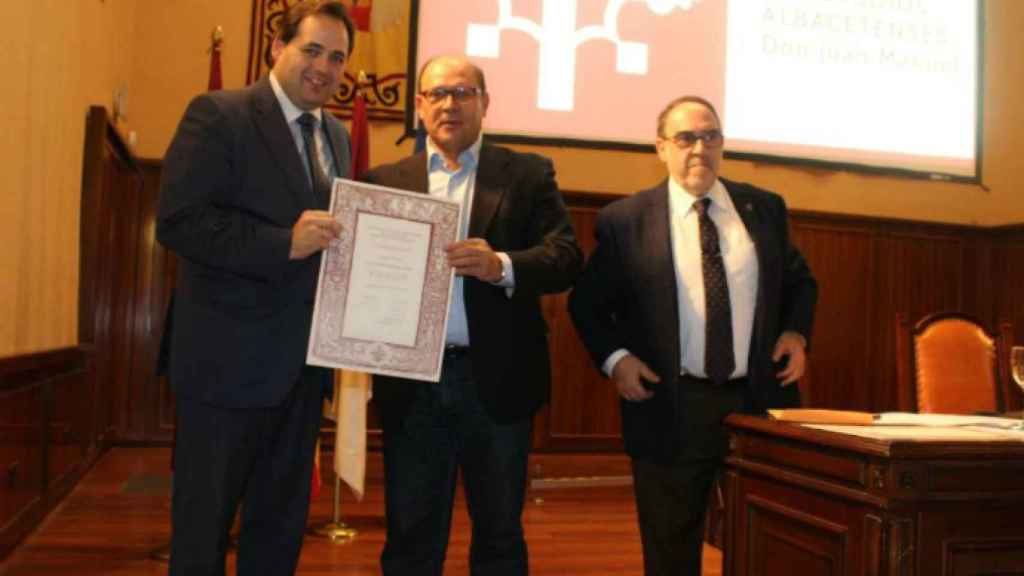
<point x="317" y="175"/>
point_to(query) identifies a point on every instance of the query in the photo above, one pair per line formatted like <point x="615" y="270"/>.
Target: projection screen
<point x="889" y="85"/>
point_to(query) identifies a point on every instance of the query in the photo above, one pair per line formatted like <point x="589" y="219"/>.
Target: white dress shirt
<point x="741" y="269"/>
<point x="459" y="185"/>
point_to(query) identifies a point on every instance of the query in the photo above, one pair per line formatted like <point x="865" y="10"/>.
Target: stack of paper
<point x="905" y="425"/>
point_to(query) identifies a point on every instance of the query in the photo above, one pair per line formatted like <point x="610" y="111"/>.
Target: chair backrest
<point x="950" y="364"/>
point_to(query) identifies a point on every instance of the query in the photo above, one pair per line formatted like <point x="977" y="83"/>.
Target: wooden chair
<point x="948" y="363"/>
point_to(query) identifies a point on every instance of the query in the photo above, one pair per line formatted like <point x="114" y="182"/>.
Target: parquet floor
<point x="119" y="513"/>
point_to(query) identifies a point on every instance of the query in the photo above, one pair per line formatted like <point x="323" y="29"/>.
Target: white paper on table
<point x="933" y="433"/>
<point x="385" y="285"/>
<point x="924" y="419"/>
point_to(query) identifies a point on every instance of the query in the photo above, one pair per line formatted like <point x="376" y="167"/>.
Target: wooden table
<point x="812" y="502"/>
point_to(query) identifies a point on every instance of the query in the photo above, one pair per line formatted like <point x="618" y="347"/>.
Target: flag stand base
<point x="336" y="531"/>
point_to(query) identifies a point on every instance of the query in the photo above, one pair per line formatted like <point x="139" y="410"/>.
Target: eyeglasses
<point x="688" y="138"/>
<point x="458" y="93"/>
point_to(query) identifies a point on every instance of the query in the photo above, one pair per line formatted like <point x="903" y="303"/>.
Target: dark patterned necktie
<point x="321" y="186"/>
<point x="719" y="359"/>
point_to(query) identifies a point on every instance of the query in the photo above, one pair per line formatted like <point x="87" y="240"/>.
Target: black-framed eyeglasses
<point x="688" y="138"/>
<point x="458" y="93"/>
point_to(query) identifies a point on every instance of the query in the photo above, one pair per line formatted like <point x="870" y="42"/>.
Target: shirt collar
<point x="681" y="201"/>
<point x="291" y="111"/>
<point x="467" y="158"/>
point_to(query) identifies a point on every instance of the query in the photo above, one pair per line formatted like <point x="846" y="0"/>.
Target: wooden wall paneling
<point x="584" y="409"/>
<point x="94" y="296"/>
<point x="162" y="287"/>
<point x="842" y="261"/>
<point x="1007" y="283"/>
<point x="108" y="169"/>
<point x="105" y="305"/>
<point x="153" y="282"/>
<point x="979" y="276"/>
<point x="68" y="454"/>
<point x="21" y="462"/>
<point x="89" y="225"/>
<point x="917" y="274"/>
<point x="41" y="455"/>
<point x="1008" y="293"/>
<point x="130" y="278"/>
<point x="126" y="259"/>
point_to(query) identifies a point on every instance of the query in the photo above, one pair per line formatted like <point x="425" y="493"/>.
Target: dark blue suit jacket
<point x="233" y="185"/>
<point x="627" y="298"/>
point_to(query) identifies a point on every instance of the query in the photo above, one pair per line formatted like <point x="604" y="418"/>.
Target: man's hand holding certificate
<point x="385" y="284"/>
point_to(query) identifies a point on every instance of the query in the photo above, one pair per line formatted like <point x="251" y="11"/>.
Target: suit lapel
<point x="412" y="174"/>
<point x="747" y="208"/>
<point x="273" y="128"/>
<point x="490" y="187"/>
<point x="657" y="246"/>
<point x="340" y="147"/>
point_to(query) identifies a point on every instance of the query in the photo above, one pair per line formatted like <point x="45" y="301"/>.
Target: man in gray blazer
<point x="696" y="304"/>
<point x="243" y="204"/>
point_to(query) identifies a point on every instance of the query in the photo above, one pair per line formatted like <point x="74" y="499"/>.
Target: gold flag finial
<point x="216" y="38"/>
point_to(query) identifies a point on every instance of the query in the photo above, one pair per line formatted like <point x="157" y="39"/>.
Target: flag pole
<point x="336" y="531"/>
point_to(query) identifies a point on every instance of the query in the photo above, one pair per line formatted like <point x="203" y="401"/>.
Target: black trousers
<point x="671" y="500"/>
<point x="262" y="457"/>
<point x="443" y="431"/>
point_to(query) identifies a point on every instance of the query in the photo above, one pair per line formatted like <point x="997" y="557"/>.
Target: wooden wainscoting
<point x="47" y="440"/>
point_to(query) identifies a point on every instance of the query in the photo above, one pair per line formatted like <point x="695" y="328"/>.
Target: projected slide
<point x="885" y="83"/>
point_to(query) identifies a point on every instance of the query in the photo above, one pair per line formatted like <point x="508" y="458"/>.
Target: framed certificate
<point x="385" y="285"/>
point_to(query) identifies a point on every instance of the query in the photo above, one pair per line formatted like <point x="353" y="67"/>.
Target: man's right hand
<point x="312" y="233"/>
<point x="629" y="374"/>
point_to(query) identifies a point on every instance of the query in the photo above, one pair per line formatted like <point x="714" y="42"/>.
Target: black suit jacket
<point x="627" y="298"/>
<point x="518" y="209"/>
<point x="233" y="185"/>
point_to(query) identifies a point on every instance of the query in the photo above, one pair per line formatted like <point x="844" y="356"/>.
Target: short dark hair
<point x="477" y="72"/>
<point x="663" y="115"/>
<point x="297" y="13"/>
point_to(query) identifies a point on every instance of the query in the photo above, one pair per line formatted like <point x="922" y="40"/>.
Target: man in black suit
<point x="690" y="302"/>
<point x="243" y="205"/>
<point x="516" y="243"/>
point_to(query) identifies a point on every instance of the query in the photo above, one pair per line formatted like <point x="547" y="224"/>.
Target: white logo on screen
<point x="558" y="39"/>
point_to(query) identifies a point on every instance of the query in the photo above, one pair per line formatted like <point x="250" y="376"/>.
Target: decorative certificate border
<point x="327" y="345"/>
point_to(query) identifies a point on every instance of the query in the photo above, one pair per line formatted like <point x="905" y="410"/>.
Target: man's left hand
<point x="474" y="257"/>
<point x="790" y="344"/>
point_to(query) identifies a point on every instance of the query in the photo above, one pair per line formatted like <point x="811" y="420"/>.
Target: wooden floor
<point x="119" y="513"/>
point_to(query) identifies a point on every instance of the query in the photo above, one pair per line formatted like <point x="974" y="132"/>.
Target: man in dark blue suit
<point x="243" y="204"/>
<point x="696" y="305"/>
